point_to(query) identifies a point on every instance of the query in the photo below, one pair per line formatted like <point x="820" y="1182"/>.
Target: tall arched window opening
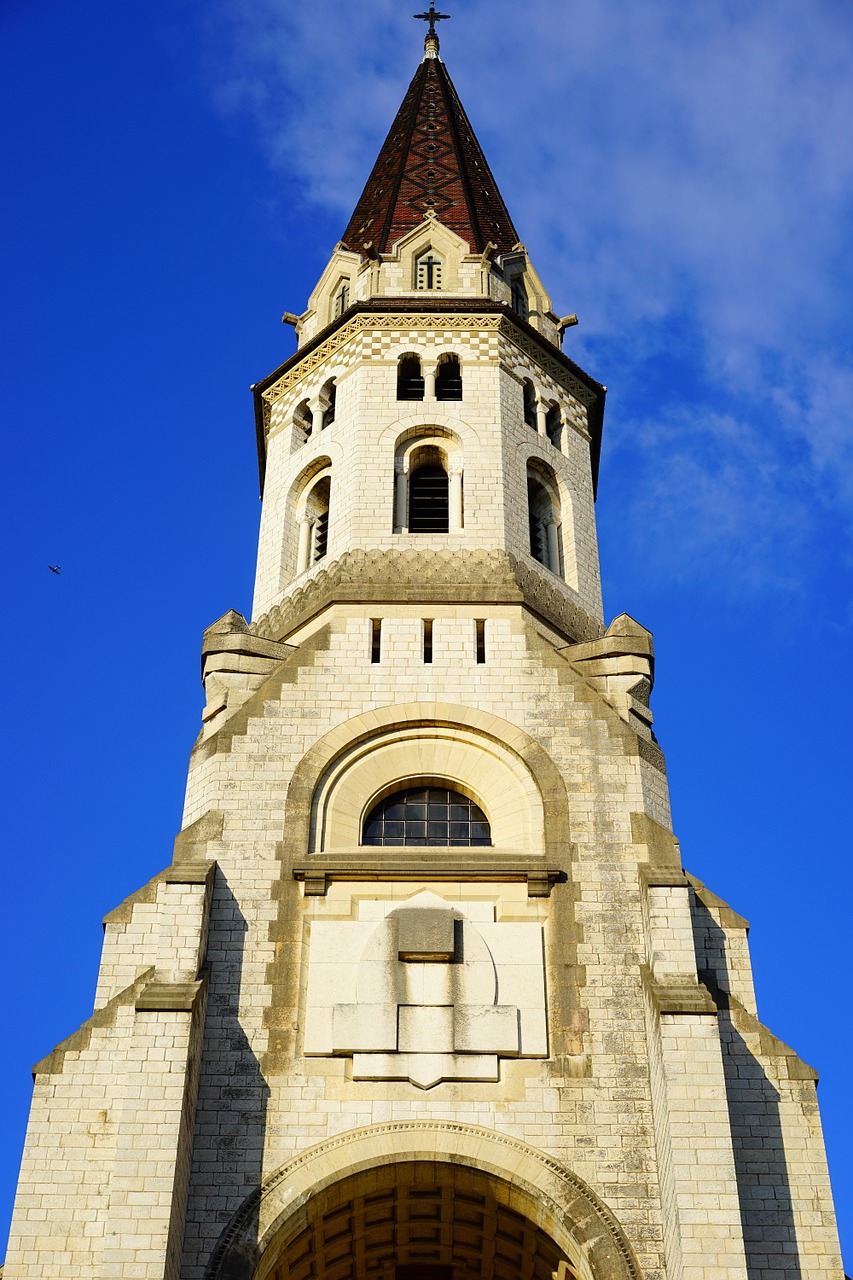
<point x="327" y="402"/>
<point x="553" y="424"/>
<point x="544" y="524"/>
<point x="314" y="526"/>
<point x="302" y="417"/>
<point x="430" y="815"/>
<point x="448" y="380"/>
<point x="410" y="382"/>
<point x="519" y="298"/>
<point x="529" y="403"/>
<point x="429" y="508"/>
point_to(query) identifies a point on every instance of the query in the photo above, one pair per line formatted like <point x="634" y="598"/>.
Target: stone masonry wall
<point x="359" y="447"/>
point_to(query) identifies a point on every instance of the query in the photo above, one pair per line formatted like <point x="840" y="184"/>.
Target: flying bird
<point x="54" y="568"/>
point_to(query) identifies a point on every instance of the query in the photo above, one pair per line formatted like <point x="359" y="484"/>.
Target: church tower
<point x="425" y="992"/>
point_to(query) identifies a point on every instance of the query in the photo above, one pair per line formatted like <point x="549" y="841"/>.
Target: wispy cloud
<point x="683" y="177"/>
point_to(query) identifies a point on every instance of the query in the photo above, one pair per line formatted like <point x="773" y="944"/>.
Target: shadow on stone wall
<point x="231" y="1114"/>
<point x="766" y="1209"/>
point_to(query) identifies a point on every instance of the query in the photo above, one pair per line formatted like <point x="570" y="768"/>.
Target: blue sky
<point x="176" y="178"/>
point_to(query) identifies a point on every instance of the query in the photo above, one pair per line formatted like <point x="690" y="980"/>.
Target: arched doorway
<point x="416" y="1220"/>
<point x="457" y="1199"/>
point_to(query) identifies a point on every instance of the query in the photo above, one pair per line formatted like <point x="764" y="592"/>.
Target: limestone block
<point x="367" y="1027"/>
<point x="478" y="1027"/>
<point x="425" y="935"/>
<point x="426" y="1029"/>
<point x="425" y="1069"/>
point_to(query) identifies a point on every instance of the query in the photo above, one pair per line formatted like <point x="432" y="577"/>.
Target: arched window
<point x="302" y="417"/>
<point x="430" y="815"/>
<point x="340" y="302"/>
<point x="429" y="270"/>
<point x="519" y="298"/>
<point x="410" y="382"/>
<point x="529" y="403"/>
<point x="327" y="402"/>
<point x="544" y="522"/>
<point x="448" y="380"/>
<point x="553" y="424"/>
<point x="314" y="526"/>
<point x="429" y="509"/>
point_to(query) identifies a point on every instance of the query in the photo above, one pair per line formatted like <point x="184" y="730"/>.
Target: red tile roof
<point x="430" y="159"/>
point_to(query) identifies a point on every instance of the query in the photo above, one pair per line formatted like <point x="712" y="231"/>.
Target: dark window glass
<point x="480" y="638"/>
<point x="451" y="819"/>
<point x="428" y="503"/>
<point x="427" y="639"/>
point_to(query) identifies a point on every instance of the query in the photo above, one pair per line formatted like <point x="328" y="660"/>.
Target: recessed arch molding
<point x="354" y="757"/>
<point x="530" y="1182"/>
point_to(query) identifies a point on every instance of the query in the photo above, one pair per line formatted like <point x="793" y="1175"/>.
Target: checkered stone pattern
<point x="360" y="450"/>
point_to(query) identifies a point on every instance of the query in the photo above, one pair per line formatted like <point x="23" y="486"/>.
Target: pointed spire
<point x="430" y="165"/>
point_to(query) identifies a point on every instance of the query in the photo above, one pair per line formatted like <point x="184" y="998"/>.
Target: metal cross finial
<point x="432" y="17"/>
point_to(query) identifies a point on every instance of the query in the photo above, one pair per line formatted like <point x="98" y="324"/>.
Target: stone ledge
<point x="746" y="1023"/>
<point x="380" y="575"/>
<point x="662" y="877"/>
<point x="242" y="643"/>
<point x="193" y="871"/>
<point x="729" y="918"/>
<point x="443" y="865"/>
<point x="189" y="873"/>
<point x="684" y="998"/>
<point x="191" y="844"/>
<point x="170" y="997"/>
<point x="239" y="651"/>
<point x="101" y="1019"/>
<point x="661" y="845"/>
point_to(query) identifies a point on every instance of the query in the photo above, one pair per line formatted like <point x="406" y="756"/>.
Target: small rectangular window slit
<point x="375" y="639"/>
<point x="427" y="639"/>
<point x="480" y="625"/>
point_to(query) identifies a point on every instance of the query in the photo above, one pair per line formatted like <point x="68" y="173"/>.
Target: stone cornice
<point x="444" y="865"/>
<point x="443" y="313"/>
<point x="380" y="575"/>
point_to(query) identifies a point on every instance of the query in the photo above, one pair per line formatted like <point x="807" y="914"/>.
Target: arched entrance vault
<point x="423" y="1201"/>
<point x="417" y="1220"/>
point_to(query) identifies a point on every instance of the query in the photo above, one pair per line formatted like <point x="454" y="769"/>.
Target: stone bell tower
<point x="425" y="992"/>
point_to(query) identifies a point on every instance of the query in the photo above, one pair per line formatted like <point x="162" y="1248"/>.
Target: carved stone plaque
<point x="422" y="991"/>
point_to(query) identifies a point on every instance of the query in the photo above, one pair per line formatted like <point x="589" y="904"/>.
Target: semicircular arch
<point x="475" y="763"/>
<point x="430" y="419"/>
<point x="334" y="780"/>
<point x="527" y="1181"/>
<point x="307" y="477"/>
